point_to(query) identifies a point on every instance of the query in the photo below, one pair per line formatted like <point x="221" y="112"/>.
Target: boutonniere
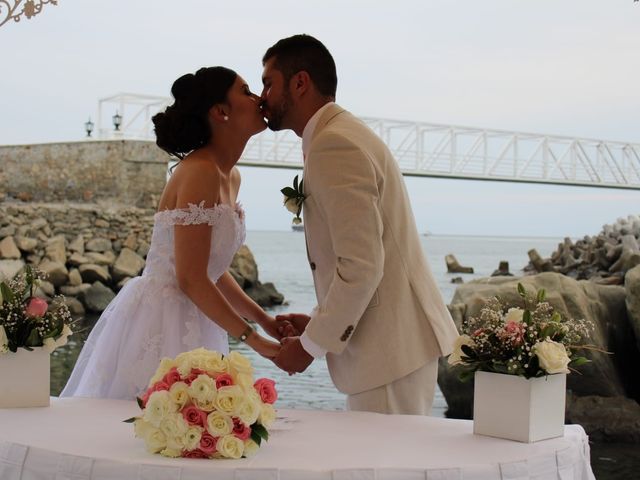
<point x="293" y="199"/>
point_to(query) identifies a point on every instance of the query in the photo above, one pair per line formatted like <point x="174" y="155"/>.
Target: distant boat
<point x="427" y="234"/>
<point x="297" y="228"/>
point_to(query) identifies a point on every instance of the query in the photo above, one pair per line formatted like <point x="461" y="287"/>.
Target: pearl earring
<point x="226" y="118"/>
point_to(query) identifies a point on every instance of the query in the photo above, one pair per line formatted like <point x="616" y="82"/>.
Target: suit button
<point x="312" y="265"/>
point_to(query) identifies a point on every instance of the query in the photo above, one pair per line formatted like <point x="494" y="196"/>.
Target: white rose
<point x="219" y="424"/>
<point x="158" y="407"/>
<point x="203" y="390"/>
<point x="514" y="315"/>
<point x="49" y="344"/>
<point x="238" y="363"/>
<point x="4" y="341"/>
<point x="215" y="364"/>
<point x="230" y="399"/>
<point x="267" y="415"/>
<point x="230" y="446"/>
<point x="155" y="440"/>
<point x="166" y="364"/>
<point x="250" y="448"/>
<point x="174" y="425"/>
<point x="291" y="204"/>
<point x="191" y="439"/>
<point x="179" y="394"/>
<point x="456" y="357"/>
<point x="553" y="356"/>
<point x="171" y="453"/>
<point x="245" y="380"/>
<point x="250" y="408"/>
<point x="141" y="428"/>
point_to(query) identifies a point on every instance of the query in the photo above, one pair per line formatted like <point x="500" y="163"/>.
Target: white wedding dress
<point x="151" y="318"/>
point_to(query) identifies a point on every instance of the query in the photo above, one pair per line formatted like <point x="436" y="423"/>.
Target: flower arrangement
<point x="294" y="198"/>
<point x="27" y="321"/>
<point x="532" y="341"/>
<point x="205" y="405"/>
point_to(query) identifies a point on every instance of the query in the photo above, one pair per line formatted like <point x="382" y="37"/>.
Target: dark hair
<point x="303" y="52"/>
<point x="184" y="126"/>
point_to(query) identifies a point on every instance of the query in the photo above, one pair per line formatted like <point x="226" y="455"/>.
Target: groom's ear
<point x="301" y="83"/>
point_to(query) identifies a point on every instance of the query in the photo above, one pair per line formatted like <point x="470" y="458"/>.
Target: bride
<point x="185" y="297"/>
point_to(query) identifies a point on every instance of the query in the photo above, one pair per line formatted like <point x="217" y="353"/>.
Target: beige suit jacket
<point x="380" y="314"/>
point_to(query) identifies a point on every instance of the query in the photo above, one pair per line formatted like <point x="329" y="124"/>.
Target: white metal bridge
<point x="434" y="150"/>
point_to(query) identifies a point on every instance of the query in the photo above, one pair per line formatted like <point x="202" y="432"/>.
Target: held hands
<point x="293" y="358"/>
<point x="291" y="324"/>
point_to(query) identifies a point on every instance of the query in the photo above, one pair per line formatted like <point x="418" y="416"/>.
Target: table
<point x="82" y="439"/>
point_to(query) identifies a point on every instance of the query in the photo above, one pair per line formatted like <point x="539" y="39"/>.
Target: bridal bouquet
<point x="530" y="340"/>
<point x="205" y="405"/>
<point x="28" y="321"/>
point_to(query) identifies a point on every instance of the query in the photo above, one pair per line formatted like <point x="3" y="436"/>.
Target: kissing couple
<point x="380" y="320"/>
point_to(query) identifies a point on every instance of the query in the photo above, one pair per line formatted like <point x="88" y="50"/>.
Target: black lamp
<point x="88" y="126"/>
<point x="117" y="121"/>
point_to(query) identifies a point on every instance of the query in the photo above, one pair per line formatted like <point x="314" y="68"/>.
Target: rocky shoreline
<point x="89" y="251"/>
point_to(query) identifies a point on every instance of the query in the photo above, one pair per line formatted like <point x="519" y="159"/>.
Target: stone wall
<point x="126" y="171"/>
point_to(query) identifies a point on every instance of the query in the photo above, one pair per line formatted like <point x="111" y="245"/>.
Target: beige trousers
<point x="409" y="395"/>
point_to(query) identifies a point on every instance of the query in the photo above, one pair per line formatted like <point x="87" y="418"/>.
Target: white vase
<point x="24" y="378"/>
<point x="516" y="408"/>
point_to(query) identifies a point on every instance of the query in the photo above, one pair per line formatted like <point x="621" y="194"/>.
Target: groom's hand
<point x="292" y="324"/>
<point x="293" y="358"/>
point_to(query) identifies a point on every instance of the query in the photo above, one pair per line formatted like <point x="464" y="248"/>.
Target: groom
<point x="380" y="319"/>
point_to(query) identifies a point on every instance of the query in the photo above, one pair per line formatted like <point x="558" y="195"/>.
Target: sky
<point x="567" y="67"/>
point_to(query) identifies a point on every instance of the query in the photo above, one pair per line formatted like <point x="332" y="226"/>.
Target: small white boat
<point x="297" y="228"/>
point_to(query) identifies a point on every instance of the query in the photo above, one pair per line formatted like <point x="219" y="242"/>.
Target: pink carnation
<point x="240" y="429"/>
<point x="194" y="416"/>
<point x="224" y="380"/>
<point x="266" y="388"/>
<point x="513" y="332"/>
<point x="36" y="307"/>
<point x="208" y="443"/>
<point x="197" y="453"/>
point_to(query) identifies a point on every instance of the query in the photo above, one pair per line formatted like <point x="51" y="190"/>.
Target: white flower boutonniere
<point x="294" y="198"/>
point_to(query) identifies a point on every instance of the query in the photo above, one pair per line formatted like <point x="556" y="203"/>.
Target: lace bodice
<point x="227" y="236"/>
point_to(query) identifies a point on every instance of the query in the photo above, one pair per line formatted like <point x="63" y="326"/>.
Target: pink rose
<point x="196" y="453"/>
<point x="171" y="377"/>
<point x="224" y="380"/>
<point x="36" y="307"/>
<point x="194" y="416"/>
<point x="193" y="375"/>
<point x="240" y="429"/>
<point x="266" y="388"/>
<point x="208" y="443"/>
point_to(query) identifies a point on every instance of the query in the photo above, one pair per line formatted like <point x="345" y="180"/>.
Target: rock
<point x="244" y="265"/>
<point x="538" y="262"/>
<point x="26" y="244"/>
<point x="607" y="375"/>
<point x="122" y="283"/>
<point x="38" y="224"/>
<point x="10" y="268"/>
<point x="98" y="245"/>
<point x="47" y="289"/>
<point x="457" y="280"/>
<point x="55" y="272"/>
<point x="56" y="250"/>
<point x="75" y="260"/>
<point x="605" y="419"/>
<point x="128" y="264"/>
<point x="97" y="298"/>
<point x="75" y="278"/>
<point x="454" y="267"/>
<point x="131" y="242"/>
<point x="91" y="273"/>
<point x="8" y="231"/>
<point x="75" y="307"/>
<point x="265" y="295"/>
<point x="77" y="245"/>
<point x="107" y="258"/>
<point x="236" y="276"/>
<point x="632" y="300"/>
<point x="99" y="223"/>
<point x="503" y="270"/>
<point x="143" y="249"/>
<point x="8" y="249"/>
<point x="74" y="291"/>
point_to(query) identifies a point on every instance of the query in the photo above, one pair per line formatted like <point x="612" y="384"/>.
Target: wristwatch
<point x="247" y="331"/>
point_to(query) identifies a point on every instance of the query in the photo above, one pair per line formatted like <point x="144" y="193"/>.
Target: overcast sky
<point x="568" y="67"/>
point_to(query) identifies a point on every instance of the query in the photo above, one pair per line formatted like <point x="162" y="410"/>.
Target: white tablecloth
<point x="78" y="439"/>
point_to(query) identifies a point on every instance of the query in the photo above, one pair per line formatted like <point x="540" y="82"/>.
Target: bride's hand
<point x="271" y="327"/>
<point x="267" y="348"/>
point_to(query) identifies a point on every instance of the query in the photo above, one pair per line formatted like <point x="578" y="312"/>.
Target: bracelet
<point x="247" y="331"/>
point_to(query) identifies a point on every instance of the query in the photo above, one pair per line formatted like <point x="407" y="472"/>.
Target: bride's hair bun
<point x="184" y="126"/>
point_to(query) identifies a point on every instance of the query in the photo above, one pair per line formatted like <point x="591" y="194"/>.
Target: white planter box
<point x="516" y="408"/>
<point x="24" y="378"/>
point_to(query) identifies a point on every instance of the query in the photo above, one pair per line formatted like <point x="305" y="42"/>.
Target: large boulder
<point x="9" y="249"/>
<point x="10" y="268"/>
<point x="244" y="265"/>
<point x="632" y="287"/>
<point x="97" y="297"/>
<point x="128" y="264"/>
<point x="607" y="376"/>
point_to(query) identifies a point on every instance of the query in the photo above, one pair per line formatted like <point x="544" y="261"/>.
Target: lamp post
<point x="117" y="121"/>
<point x="88" y="126"/>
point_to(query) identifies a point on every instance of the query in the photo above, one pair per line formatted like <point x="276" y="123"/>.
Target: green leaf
<point x="556" y="317"/>
<point x="521" y="290"/>
<point x="468" y="351"/>
<point x="576" y="362"/>
<point x="255" y="437"/>
<point x="130" y="420"/>
<point x="7" y="294"/>
<point x="140" y="403"/>
<point x="295" y="183"/>
<point x="33" y="340"/>
<point x="526" y="317"/>
<point x="466" y="375"/>
<point x="541" y="295"/>
<point x="260" y="431"/>
<point x="289" y="192"/>
<point x="301" y="189"/>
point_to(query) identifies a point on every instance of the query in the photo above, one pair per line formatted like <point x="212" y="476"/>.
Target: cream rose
<point x="174" y="425"/>
<point x="191" y="439"/>
<point x="230" y="446"/>
<point x="203" y="389"/>
<point x="245" y="380"/>
<point x="158" y="407"/>
<point x="49" y="344"/>
<point x="215" y="364"/>
<point x="230" y="399"/>
<point x="4" y="341"/>
<point x="238" y="363"/>
<point x="179" y="394"/>
<point x="250" y="409"/>
<point x="219" y="424"/>
<point x="514" y="315"/>
<point x="267" y="415"/>
<point x="155" y="440"/>
<point x="141" y="428"/>
<point x="171" y="453"/>
<point x="552" y="356"/>
<point x="291" y="204"/>
<point x="250" y="448"/>
<point x="456" y="357"/>
<point x="166" y="364"/>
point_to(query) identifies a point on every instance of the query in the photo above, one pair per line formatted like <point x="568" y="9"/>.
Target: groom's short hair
<point x="304" y="52"/>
